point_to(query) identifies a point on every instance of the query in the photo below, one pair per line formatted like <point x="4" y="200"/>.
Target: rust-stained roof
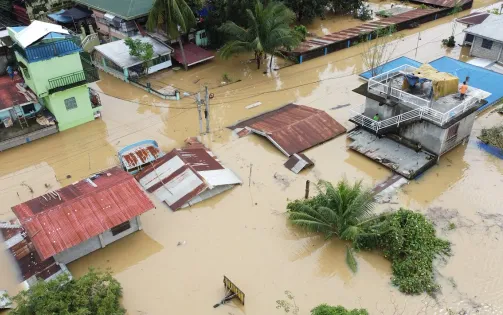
<point x="356" y="31"/>
<point x="293" y="128"/>
<point x="73" y="214"/>
<point x="186" y="176"/>
<point x="473" y="18"/>
<point x="13" y="94"/>
<point x="26" y="257"/>
<point x="443" y="3"/>
<point x="298" y="162"/>
<point x="140" y="156"/>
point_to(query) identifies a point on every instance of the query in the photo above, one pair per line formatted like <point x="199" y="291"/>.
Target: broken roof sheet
<point x="186" y="176"/>
<point x="37" y="30"/>
<point x="140" y="153"/>
<point x="28" y="260"/>
<point x="298" y="162"/>
<point x="292" y="128"/>
<point x="73" y="214"/>
<point x="118" y="51"/>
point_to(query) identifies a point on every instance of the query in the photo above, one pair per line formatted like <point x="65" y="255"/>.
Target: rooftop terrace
<point x="438" y="110"/>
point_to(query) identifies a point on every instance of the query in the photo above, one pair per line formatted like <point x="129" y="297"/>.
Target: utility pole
<point x="207" y="110"/>
<point x="198" y="101"/>
<point x="417" y="45"/>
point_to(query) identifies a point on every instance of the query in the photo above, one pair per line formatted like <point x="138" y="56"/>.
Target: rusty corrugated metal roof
<point x="73" y="214"/>
<point x="366" y="28"/>
<point x="141" y="156"/>
<point x="443" y="3"/>
<point x="293" y="128"/>
<point x="28" y="260"/>
<point x="473" y="18"/>
<point x="186" y="176"/>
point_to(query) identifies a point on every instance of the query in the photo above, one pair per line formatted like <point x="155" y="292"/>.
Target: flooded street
<point x="243" y="233"/>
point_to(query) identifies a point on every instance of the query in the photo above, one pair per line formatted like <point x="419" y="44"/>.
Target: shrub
<point x="96" y="293"/>
<point x="325" y="309"/>
<point x="449" y="42"/>
<point x="302" y="30"/>
<point x="411" y="246"/>
<point x="492" y="136"/>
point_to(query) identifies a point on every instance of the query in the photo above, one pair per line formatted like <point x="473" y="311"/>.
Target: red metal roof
<point x="193" y="53"/>
<point x="294" y="128"/>
<point x="27" y="259"/>
<point x="473" y="18"/>
<point x="68" y="216"/>
<point x="11" y="94"/>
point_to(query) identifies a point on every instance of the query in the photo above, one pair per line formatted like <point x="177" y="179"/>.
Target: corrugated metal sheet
<point x="473" y="18"/>
<point x="66" y="217"/>
<point x="298" y="162"/>
<point x="186" y="176"/>
<point x="351" y="33"/>
<point x="293" y="128"/>
<point x="28" y="260"/>
<point x="36" y="30"/>
<point x="443" y="3"/>
<point x="140" y="153"/>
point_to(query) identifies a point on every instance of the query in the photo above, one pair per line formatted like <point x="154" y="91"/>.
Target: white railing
<point x="367" y="122"/>
<point x="88" y="38"/>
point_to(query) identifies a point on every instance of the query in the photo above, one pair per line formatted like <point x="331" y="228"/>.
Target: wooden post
<point x="307" y="189"/>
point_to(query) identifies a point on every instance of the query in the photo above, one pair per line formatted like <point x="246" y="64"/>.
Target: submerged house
<point x="61" y="226"/>
<point x="184" y="177"/>
<point x="412" y="116"/>
<point x="53" y="66"/>
<point x="486" y="38"/>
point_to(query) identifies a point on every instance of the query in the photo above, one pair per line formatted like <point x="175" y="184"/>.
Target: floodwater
<point x="243" y="233"/>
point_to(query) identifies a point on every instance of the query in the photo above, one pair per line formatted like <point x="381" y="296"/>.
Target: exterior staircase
<point x="388" y="125"/>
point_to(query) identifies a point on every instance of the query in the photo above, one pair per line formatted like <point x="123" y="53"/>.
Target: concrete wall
<point x="478" y="51"/>
<point x="372" y="107"/>
<point x="95" y="243"/>
<point x="41" y="71"/>
<point x="428" y="134"/>
<point x="74" y="117"/>
<point x="78" y="251"/>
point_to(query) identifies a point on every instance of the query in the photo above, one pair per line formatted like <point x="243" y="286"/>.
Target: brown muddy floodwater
<point x="243" y="233"/>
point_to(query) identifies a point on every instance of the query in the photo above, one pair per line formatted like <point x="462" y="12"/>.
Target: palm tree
<point x="268" y="31"/>
<point x="175" y="16"/>
<point x="345" y="212"/>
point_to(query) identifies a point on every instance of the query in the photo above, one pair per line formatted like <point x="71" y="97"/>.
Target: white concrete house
<point x="486" y="38"/>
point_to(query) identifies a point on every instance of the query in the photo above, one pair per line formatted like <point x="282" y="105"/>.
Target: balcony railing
<point x="71" y="80"/>
<point x="50" y="50"/>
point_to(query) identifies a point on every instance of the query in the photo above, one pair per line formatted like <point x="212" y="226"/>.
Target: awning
<point x="193" y="53"/>
<point x="58" y="17"/>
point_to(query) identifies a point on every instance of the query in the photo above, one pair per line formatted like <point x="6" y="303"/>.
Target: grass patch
<point x="451" y="226"/>
<point x="325" y="309"/>
<point x="492" y="136"/>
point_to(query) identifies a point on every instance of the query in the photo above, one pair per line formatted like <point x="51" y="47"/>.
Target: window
<point x="452" y="132"/>
<point x="469" y="38"/>
<point x="120" y="228"/>
<point x="70" y="103"/>
<point x="487" y="44"/>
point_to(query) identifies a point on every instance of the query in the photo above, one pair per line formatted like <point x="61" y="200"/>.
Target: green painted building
<point x="55" y="68"/>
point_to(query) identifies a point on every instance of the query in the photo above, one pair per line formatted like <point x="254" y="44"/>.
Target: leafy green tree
<point x="175" y="17"/>
<point x="344" y="211"/>
<point x="325" y="309"/>
<point x="142" y="50"/>
<point x="96" y="293"/>
<point x="346" y="6"/>
<point x="268" y="31"/>
<point x="302" y="30"/>
<point x="307" y="10"/>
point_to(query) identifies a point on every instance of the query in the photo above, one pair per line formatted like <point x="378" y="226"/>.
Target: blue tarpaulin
<point x="392" y="65"/>
<point x="480" y="78"/>
<point x="60" y="18"/>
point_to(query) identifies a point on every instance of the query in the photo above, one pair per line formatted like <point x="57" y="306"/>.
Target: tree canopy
<point x="268" y="30"/>
<point x="174" y="16"/>
<point x="96" y="293"/>
<point x="325" y="309"/>
<point x="142" y="50"/>
<point x="307" y="10"/>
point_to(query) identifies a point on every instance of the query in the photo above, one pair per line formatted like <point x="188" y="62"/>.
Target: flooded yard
<point x="177" y="262"/>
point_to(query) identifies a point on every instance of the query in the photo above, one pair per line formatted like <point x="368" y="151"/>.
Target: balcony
<point x="50" y="50"/>
<point x="71" y="80"/>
